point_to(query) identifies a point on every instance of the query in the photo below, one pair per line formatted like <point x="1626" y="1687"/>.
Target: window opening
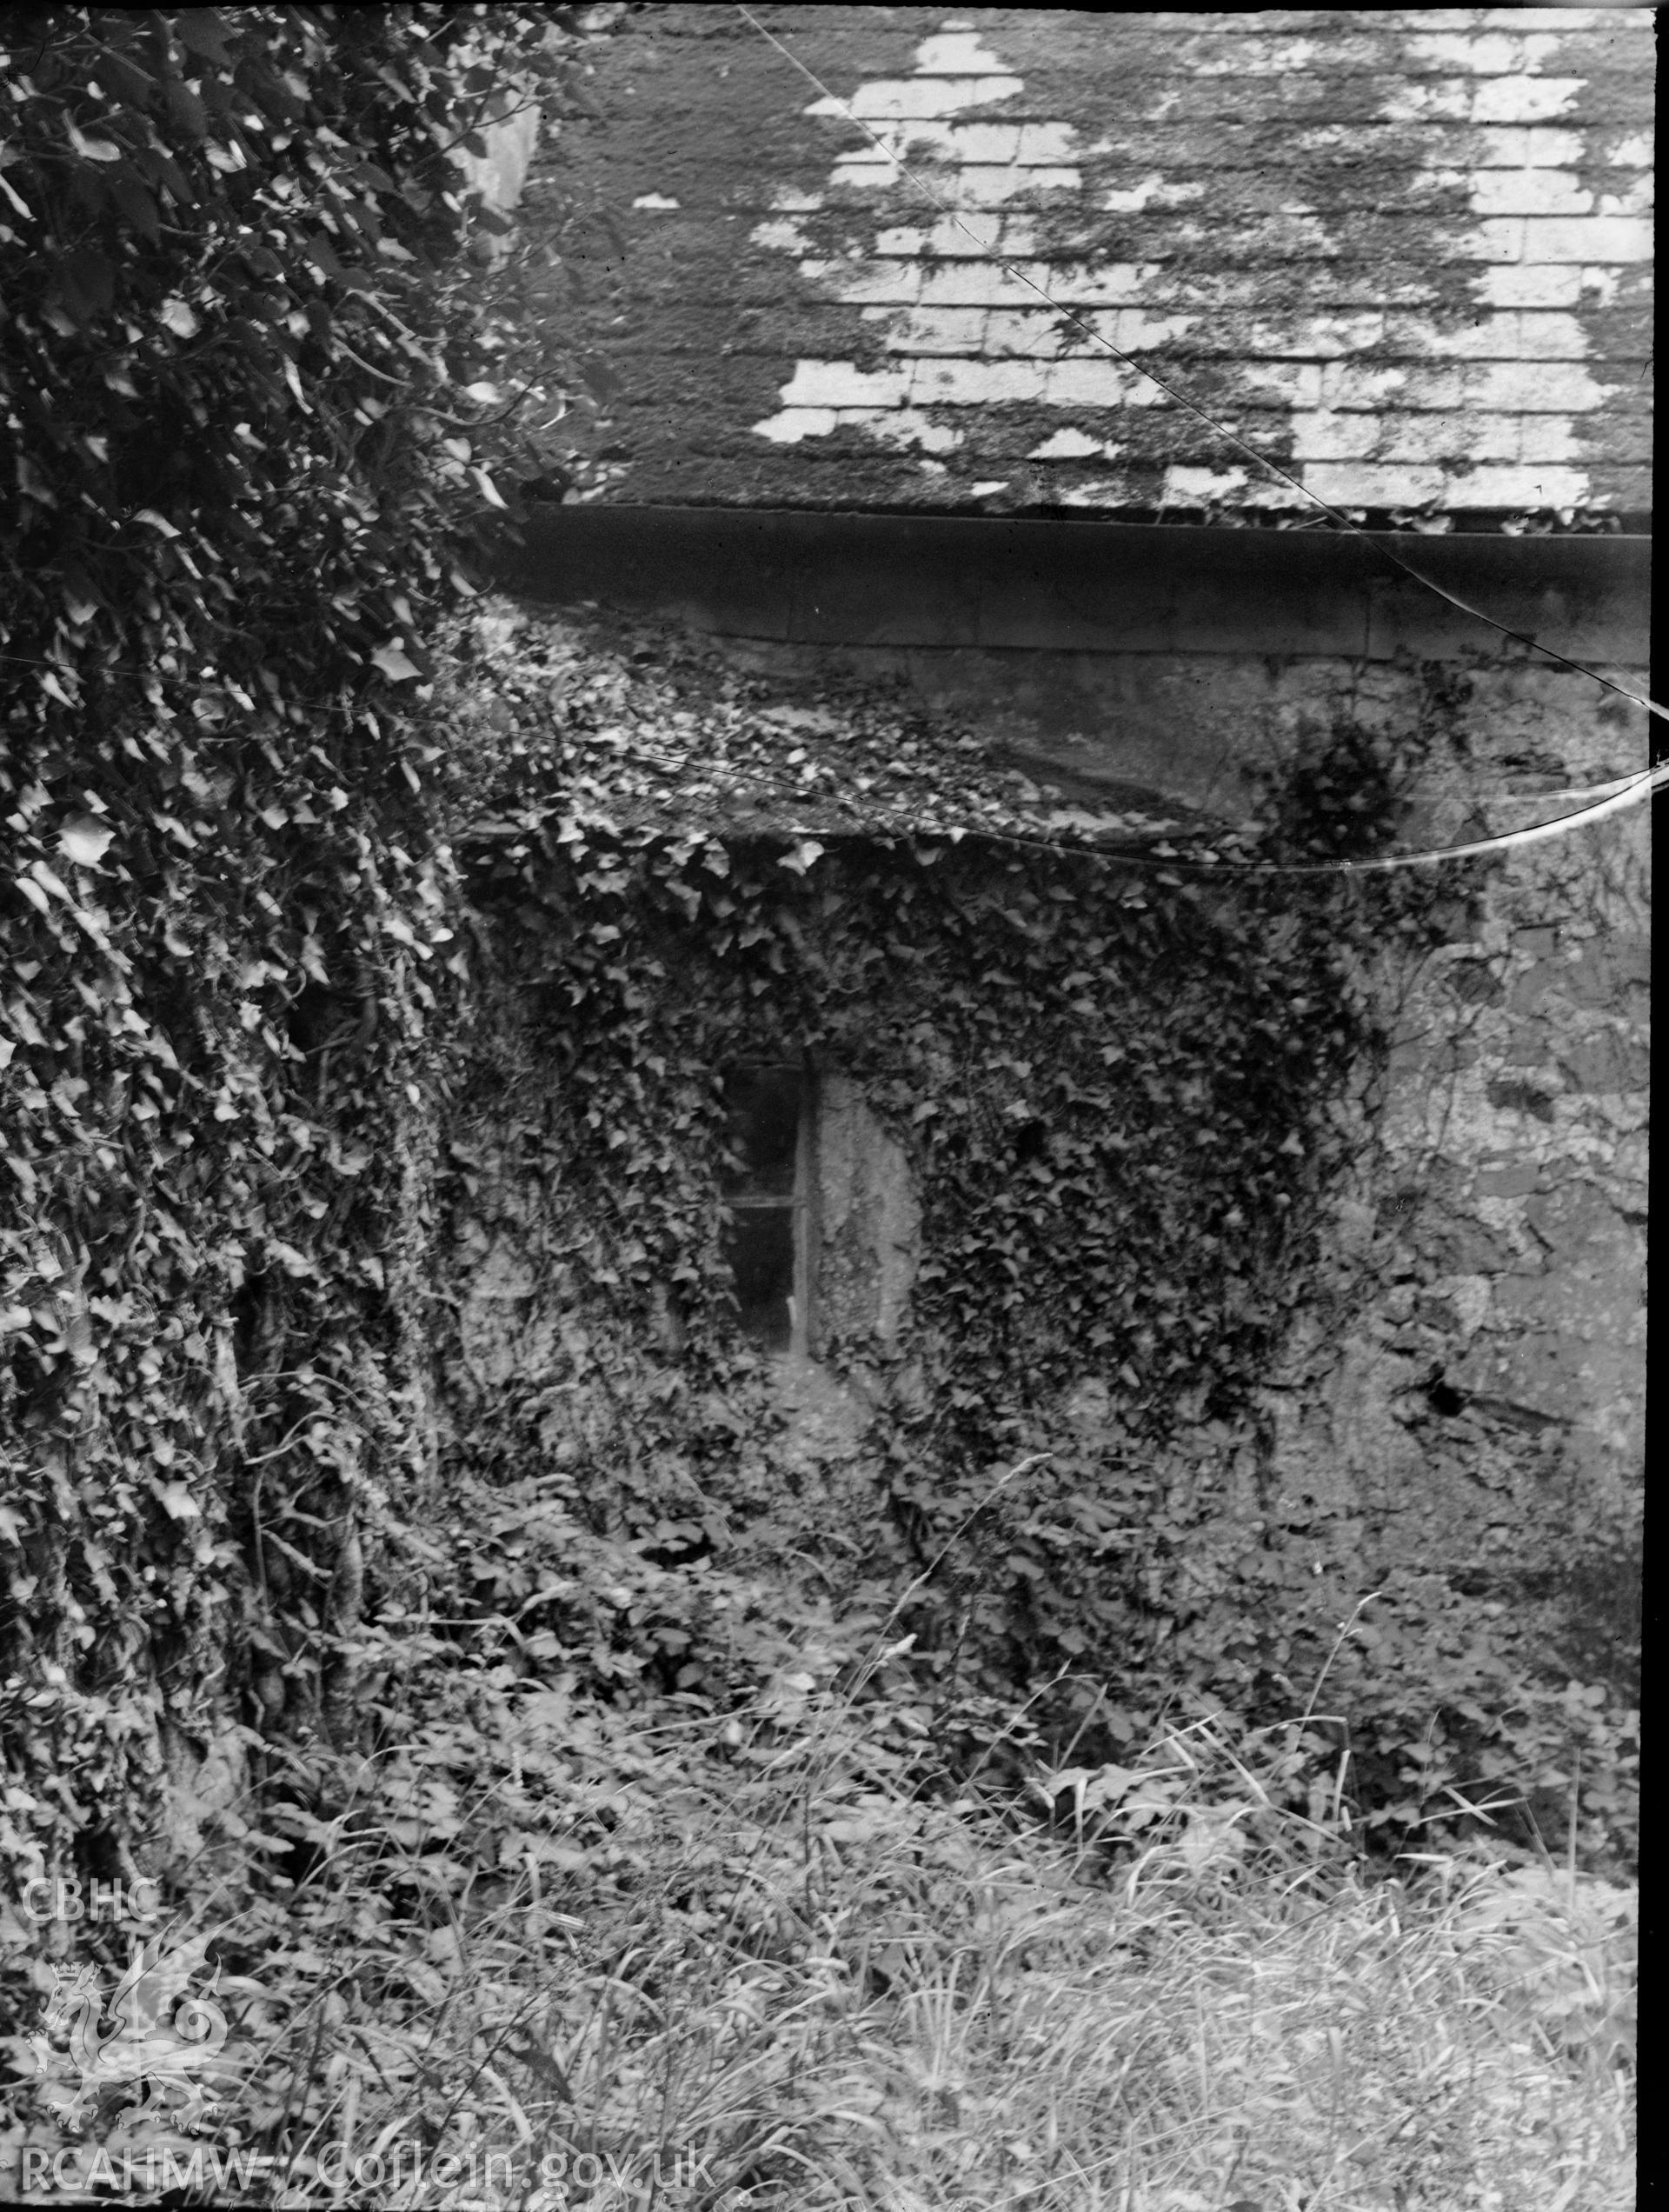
<point x="768" y="1237"/>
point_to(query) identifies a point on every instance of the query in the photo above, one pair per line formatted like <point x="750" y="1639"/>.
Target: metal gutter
<point x="815" y="577"/>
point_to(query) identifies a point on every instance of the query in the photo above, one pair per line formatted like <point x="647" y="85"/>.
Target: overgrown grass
<point x="762" y="1960"/>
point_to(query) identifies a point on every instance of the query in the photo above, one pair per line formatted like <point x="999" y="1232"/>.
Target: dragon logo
<point x="153" y="2033"/>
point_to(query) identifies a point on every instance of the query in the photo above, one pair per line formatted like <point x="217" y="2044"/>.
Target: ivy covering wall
<point x="1132" y="1101"/>
<point x="247" y="400"/>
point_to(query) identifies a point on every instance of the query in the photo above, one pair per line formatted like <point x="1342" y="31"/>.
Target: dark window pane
<point x="759" y="1245"/>
<point x="764" y="1106"/>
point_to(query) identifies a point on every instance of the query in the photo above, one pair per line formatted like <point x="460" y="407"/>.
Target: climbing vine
<point x="1129" y="1097"/>
<point x="252" y="406"/>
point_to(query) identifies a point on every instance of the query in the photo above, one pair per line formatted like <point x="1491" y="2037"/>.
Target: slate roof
<point x="1405" y="253"/>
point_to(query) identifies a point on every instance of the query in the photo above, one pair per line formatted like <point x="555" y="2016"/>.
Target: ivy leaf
<point x="186" y="111"/>
<point x="138" y="210"/>
<point x="124" y="78"/>
<point x="177" y="1502"/>
<point x="395" y="664"/>
<point x="204" y="31"/>
<point x="45" y="876"/>
<point x="293" y="1263"/>
<point x="166" y="171"/>
<point x="92" y="149"/>
<point x="176" y="316"/>
<point x="84" y="285"/>
<point x="85" y="840"/>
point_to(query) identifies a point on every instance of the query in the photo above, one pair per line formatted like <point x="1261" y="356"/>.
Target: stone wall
<point x="1480" y="1413"/>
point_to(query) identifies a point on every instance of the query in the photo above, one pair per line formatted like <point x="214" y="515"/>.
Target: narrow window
<point x="767" y="1238"/>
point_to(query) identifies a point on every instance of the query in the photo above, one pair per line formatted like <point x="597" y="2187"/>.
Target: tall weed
<point x="766" y="1958"/>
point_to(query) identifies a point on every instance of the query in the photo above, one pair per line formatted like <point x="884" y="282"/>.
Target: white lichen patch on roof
<point x="1500" y="435"/>
<point x="1412" y="268"/>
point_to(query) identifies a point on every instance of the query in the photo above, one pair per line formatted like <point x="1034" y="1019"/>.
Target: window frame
<point x="799" y="1203"/>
